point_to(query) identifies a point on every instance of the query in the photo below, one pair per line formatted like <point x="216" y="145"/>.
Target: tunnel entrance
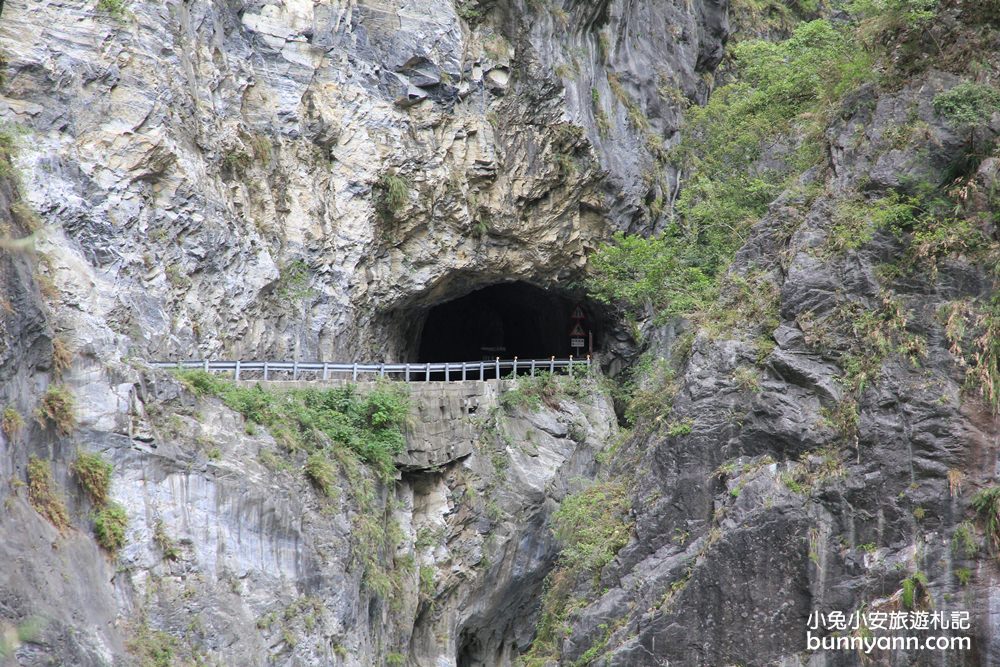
<point x="506" y="320"/>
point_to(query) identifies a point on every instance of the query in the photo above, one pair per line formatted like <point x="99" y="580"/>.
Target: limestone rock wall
<point x="209" y="173"/>
<point x="211" y="179"/>
<point x="764" y="507"/>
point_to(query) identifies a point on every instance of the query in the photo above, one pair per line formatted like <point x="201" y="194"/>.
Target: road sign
<point x="577" y="330"/>
<point x="578" y="314"/>
<point x="576" y="342"/>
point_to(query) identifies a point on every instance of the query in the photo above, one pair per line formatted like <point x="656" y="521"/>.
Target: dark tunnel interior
<point x="505" y="320"/>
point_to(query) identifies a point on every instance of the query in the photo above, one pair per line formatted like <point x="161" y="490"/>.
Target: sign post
<point x="577" y="335"/>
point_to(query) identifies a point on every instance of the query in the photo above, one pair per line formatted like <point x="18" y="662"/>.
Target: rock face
<point x="189" y="160"/>
<point x="765" y="507"/>
<point x="231" y="560"/>
<point x="305" y="179"/>
<point x="299" y="179"/>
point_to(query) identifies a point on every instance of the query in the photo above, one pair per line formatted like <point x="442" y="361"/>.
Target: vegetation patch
<point x="109" y="527"/>
<point x="57" y="409"/>
<point x="592" y="526"/>
<point x="24" y="633"/>
<point x="775" y="86"/>
<point x="986" y="502"/>
<point x="390" y="194"/>
<point x="94" y="475"/>
<point x="356" y="432"/>
<point x="43" y="494"/>
<point x="369" y="423"/>
<point x="973" y="331"/>
<point x="293" y="282"/>
<point x="153" y="648"/>
<point x="168" y="546"/>
<point x="322" y="474"/>
<point x="116" y="9"/>
<point x="544" y="389"/>
<point x="12" y="423"/>
<point x="915" y="592"/>
<point x="62" y="356"/>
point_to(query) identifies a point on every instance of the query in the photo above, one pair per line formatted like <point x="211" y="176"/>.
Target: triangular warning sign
<point x="577" y="330"/>
<point x="577" y="314"/>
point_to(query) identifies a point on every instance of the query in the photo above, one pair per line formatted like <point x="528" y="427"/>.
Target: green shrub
<point x="469" y="11"/>
<point x="94" y="475"/>
<point x="116" y="9"/>
<point x="321" y="473"/>
<point x="293" y="282"/>
<point x="968" y="104"/>
<point x="390" y="193"/>
<point x="855" y="221"/>
<point x="756" y="17"/>
<point x="593" y="525"/>
<point x="891" y="22"/>
<point x="915" y="592"/>
<point x="986" y="502"/>
<point x="57" y="409"/>
<point x="42" y="493"/>
<point x="12" y="423"/>
<point x="369" y="423"/>
<point x="680" y="428"/>
<point x="109" y="527"/>
<point x="153" y="648"/>
<point x="427" y="585"/>
<point x="12" y="638"/>
<point x="774" y="86"/>
<point x="168" y="546"/>
<point x="236" y="161"/>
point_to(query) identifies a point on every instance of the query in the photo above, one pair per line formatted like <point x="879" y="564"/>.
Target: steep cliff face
<point x="309" y="178"/>
<point x="193" y="161"/>
<point x="303" y="179"/>
<point x="824" y="453"/>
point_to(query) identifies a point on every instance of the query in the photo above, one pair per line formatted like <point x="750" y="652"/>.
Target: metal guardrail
<point x="325" y="370"/>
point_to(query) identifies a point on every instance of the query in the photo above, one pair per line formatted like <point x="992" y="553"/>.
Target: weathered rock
<point x="781" y="501"/>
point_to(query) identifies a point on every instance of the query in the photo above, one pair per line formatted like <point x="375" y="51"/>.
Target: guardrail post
<point x="513" y="373"/>
<point x="180" y="366"/>
<point x="237" y="370"/>
<point x="381" y="370"/>
<point x="571" y="365"/>
<point x="498" y="367"/>
<point x="427" y="372"/>
<point x="532" y="368"/>
<point x="295" y="369"/>
<point x="588" y="362"/>
<point x="326" y="371"/>
<point x="354" y="372"/>
<point x="407" y="373"/>
<point x="482" y="371"/>
<point x="206" y="365"/>
<point x="552" y="365"/>
<point x="463" y="371"/>
<point x="447" y="376"/>
<point x="265" y="371"/>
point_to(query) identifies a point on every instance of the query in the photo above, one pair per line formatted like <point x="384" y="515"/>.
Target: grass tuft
<point x="12" y="423"/>
<point x="109" y="527"/>
<point x="94" y="475"/>
<point x="42" y="493"/>
<point x="57" y="409"/>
